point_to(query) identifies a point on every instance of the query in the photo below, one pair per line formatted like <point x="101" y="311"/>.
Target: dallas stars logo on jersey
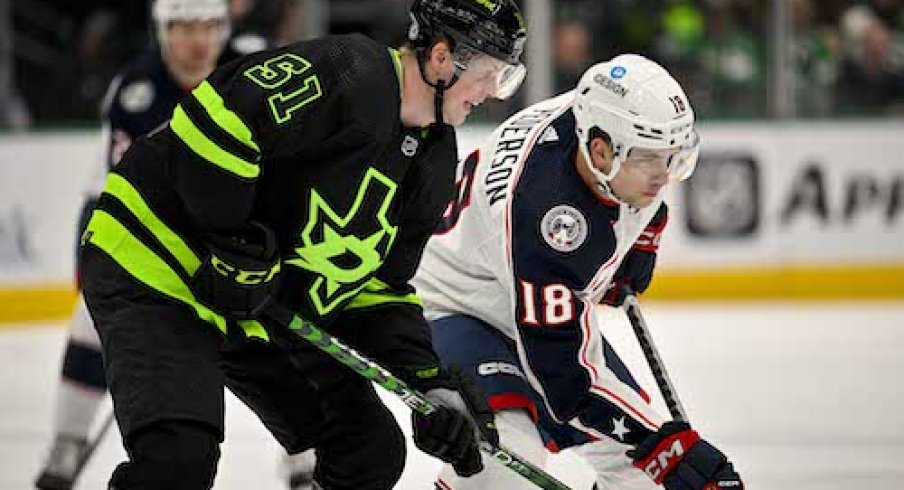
<point x="342" y="260"/>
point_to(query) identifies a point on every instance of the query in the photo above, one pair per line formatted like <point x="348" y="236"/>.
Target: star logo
<point x="341" y="260"/>
<point x="619" y="428"/>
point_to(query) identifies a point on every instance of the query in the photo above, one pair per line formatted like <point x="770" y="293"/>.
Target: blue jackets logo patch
<point x="564" y="228"/>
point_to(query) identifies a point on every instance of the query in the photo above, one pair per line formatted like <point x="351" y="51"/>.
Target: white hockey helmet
<point x="636" y="103"/>
<point x="166" y="11"/>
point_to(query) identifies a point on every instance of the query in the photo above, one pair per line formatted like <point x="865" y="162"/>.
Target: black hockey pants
<point x="167" y="369"/>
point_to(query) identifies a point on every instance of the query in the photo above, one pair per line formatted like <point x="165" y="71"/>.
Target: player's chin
<point x="456" y="118"/>
<point x="205" y="62"/>
<point x="198" y="66"/>
<point x="641" y="201"/>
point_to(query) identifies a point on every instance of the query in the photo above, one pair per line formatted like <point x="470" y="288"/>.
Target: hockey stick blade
<point x="654" y="360"/>
<point x="415" y="400"/>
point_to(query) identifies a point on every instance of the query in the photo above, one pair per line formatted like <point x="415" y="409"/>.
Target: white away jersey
<point x="530" y="249"/>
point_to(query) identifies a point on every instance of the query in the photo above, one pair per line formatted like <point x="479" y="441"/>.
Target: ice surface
<point x="802" y="397"/>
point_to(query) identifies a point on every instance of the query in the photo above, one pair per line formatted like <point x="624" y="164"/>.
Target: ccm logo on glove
<point x="247" y="278"/>
<point x="676" y="458"/>
<point x="667" y="454"/>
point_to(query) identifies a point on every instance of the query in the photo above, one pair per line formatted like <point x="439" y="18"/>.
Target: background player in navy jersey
<point x="191" y="35"/>
<point x="560" y="209"/>
<point x="309" y="176"/>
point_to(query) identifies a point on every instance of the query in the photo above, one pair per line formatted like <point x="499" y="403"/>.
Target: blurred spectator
<point x="733" y="59"/>
<point x="848" y="54"/>
<point x="872" y="72"/>
<point x="288" y="27"/>
<point x="571" y="54"/>
<point x="816" y="53"/>
<point x="384" y="20"/>
<point x="678" y="46"/>
<point x="246" y="36"/>
<point x="683" y="31"/>
<point x="266" y="22"/>
<point x="13" y="112"/>
<point x="249" y="31"/>
<point x="67" y="52"/>
<point x="97" y="60"/>
<point x="890" y="11"/>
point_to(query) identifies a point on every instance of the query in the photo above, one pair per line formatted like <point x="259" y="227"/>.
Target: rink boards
<point x="804" y="210"/>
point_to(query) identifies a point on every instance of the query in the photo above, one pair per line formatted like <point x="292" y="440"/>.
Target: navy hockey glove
<point x="676" y="458"/>
<point x="636" y="270"/>
<point x="452" y="433"/>
<point x="240" y="275"/>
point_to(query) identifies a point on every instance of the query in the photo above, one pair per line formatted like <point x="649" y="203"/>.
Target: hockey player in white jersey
<point x="560" y="210"/>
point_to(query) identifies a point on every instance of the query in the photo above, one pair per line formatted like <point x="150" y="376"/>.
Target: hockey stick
<point x="411" y="397"/>
<point x="52" y="480"/>
<point x="654" y="360"/>
<point x="93" y="445"/>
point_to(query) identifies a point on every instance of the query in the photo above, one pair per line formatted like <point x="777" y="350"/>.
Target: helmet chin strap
<point x="602" y="180"/>
<point x="439" y="90"/>
<point x="608" y="192"/>
<point x="603" y="185"/>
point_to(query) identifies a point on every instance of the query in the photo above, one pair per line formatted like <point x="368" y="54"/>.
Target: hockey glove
<point x="240" y="275"/>
<point x="636" y="270"/>
<point x="676" y="458"/>
<point x="452" y="433"/>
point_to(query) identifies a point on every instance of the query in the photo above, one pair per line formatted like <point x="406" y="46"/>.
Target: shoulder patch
<point x="248" y="43"/>
<point x="137" y="96"/>
<point x="564" y="228"/>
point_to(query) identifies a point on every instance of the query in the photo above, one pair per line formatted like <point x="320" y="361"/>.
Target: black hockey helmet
<point x="494" y="28"/>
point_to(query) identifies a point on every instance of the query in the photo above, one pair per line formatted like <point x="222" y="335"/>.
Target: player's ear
<point x="601" y="152"/>
<point x="440" y="60"/>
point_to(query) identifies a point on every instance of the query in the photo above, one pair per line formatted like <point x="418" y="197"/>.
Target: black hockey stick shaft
<point x="654" y="360"/>
<point x="93" y="445"/>
<point x="412" y="398"/>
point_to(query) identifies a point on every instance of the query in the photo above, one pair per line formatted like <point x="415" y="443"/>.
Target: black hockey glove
<point x="676" y="458"/>
<point x="452" y="433"/>
<point x="240" y="275"/>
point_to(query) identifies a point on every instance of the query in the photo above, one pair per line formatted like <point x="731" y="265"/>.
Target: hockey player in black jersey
<point x="309" y="176"/>
<point x="561" y="208"/>
<point x="190" y="36"/>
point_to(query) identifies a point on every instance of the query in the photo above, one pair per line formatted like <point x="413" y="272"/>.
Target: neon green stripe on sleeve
<point x="144" y="265"/>
<point x="120" y="188"/>
<point x="254" y="328"/>
<point x="225" y="118"/>
<point x="186" y="130"/>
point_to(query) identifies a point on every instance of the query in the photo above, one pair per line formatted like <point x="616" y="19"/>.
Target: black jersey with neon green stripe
<point x="306" y="139"/>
